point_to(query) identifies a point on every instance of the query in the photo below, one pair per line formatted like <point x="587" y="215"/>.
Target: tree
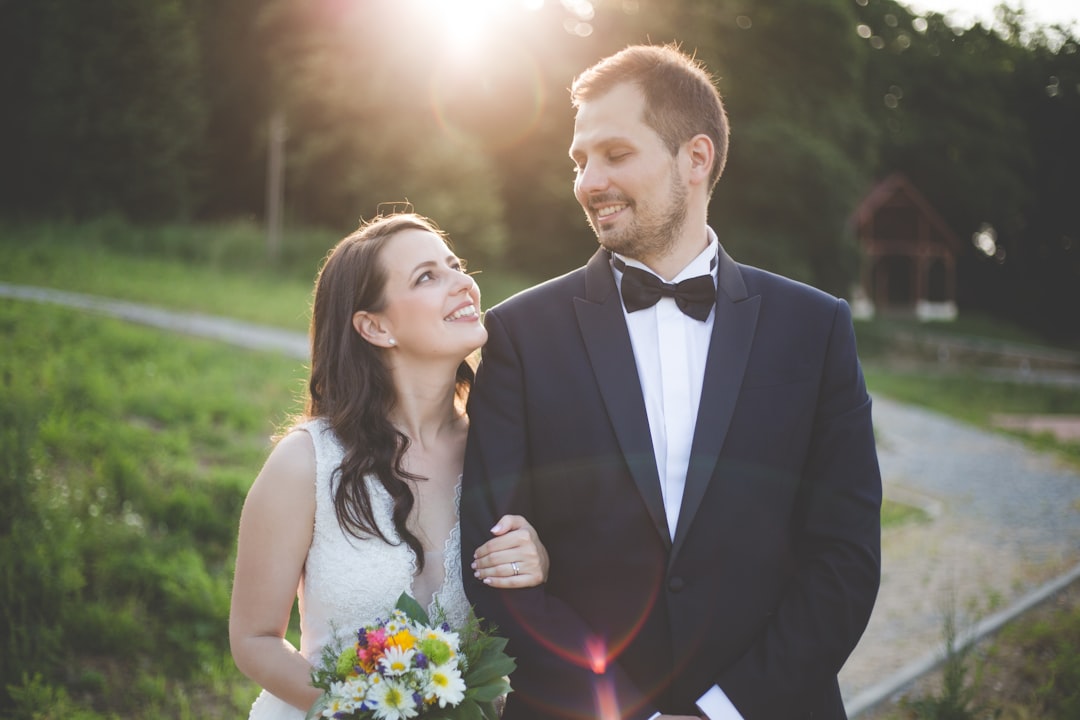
<point x="981" y="119"/>
<point x="354" y="81"/>
<point x="801" y="144"/>
<point x="112" y="118"/>
<point x="235" y="86"/>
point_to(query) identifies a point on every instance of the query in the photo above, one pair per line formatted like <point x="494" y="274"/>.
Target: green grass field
<point x="218" y="270"/>
<point x="127" y="453"/>
<point x="966" y="396"/>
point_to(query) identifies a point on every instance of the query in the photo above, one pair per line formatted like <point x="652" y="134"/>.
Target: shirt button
<point x="676" y="584"/>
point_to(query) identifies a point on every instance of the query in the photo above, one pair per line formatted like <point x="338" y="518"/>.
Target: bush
<point x="117" y="530"/>
<point x="957" y="699"/>
<point x="37" y="572"/>
<point x="1050" y="665"/>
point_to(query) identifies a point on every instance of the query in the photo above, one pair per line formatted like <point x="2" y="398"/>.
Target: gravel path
<point x="1005" y="521"/>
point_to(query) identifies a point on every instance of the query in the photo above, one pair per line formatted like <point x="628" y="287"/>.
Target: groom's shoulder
<point x="781" y="288"/>
<point x="543" y="296"/>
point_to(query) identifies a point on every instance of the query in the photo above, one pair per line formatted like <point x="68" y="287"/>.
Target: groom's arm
<point x="545" y="635"/>
<point x="837" y="544"/>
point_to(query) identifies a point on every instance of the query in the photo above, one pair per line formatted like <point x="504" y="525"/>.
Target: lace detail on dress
<point x="451" y="596"/>
<point x="349" y="582"/>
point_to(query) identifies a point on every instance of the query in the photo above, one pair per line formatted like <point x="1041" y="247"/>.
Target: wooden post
<point x="275" y="184"/>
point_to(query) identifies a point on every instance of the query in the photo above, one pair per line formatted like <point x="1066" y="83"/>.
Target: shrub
<point x="957" y="697"/>
<point x="37" y="572"/>
<point x="1050" y="648"/>
<point x="117" y="530"/>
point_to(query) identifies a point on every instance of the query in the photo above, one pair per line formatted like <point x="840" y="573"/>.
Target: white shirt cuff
<point x="716" y="706"/>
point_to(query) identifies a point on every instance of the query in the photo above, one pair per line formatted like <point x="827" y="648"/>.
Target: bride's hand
<point x="514" y="558"/>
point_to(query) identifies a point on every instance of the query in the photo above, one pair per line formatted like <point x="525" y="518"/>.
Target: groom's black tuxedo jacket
<point x="774" y="567"/>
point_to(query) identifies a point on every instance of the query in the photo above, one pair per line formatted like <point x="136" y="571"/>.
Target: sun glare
<point x="464" y="23"/>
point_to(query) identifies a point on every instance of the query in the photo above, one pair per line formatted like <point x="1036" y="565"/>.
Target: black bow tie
<point x="641" y="289"/>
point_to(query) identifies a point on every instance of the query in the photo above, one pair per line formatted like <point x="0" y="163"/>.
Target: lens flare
<point x="596" y="654"/>
<point x="606" y="703"/>
<point x="986" y="240"/>
<point x="495" y="104"/>
<point x="595" y="651"/>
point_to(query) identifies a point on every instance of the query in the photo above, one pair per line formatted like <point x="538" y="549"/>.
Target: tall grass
<point x="969" y="397"/>
<point x="878" y="335"/>
<point x="218" y="269"/>
<point x="125" y="455"/>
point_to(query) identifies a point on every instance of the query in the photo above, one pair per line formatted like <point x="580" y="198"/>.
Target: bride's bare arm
<point x="514" y="558"/>
<point x="276" y="526"/>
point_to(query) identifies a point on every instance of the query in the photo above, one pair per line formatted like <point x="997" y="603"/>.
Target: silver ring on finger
<point x="515" y="568"/>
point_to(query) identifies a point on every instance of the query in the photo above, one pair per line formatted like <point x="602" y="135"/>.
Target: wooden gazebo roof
<point x="897" y="191"/>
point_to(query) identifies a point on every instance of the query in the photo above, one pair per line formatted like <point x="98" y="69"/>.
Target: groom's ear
<point x="371" y="327"/>
<point x="702" y="155"/>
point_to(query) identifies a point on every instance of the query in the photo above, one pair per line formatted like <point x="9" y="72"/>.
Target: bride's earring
<point x="392" y="342"/>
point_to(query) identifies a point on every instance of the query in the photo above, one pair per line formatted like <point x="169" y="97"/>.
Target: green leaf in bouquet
<point x="469" y="710"/>
<point x="490" y="710"/>
<point x="491" y="644"/>
<point x="408" y="605"/>
<point x="326" y="672"/>
<point x="488" y="667"/>
<point x="465" y="709"/>
<point x="489" y="691"/>
<point x="483" y="647"/>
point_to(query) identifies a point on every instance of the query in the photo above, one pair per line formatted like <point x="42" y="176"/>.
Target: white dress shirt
<point x="670" y="349"/>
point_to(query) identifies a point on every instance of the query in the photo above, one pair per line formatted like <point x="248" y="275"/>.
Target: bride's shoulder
<point x="295" y="453"/>
<point x="284" y="489"/>
<point x="291" y="463"/>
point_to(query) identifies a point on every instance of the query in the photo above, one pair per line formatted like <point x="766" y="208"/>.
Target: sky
<point x="967" y="12"/>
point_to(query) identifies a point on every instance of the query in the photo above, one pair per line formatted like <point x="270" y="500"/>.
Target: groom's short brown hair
<point x="681" y="98"/>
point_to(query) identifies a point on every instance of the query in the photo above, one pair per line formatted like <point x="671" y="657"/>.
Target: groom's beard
<point x="651" y="232"/>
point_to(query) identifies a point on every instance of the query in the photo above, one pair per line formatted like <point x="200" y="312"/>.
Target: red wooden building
<point x="907" y="254"/>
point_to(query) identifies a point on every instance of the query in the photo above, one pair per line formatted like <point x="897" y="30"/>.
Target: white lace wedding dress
<point x="348" y="582"/>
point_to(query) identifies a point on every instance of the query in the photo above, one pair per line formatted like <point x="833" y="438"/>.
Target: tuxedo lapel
<point x="607" y="341"/>
<point x="732" y="337"/>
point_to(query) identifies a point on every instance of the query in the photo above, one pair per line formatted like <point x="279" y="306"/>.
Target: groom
<point x="690" y="436"/>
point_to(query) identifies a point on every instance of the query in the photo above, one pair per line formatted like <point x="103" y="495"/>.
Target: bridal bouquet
<point x="407" y="666"/>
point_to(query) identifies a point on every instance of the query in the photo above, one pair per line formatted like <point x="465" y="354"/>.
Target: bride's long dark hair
<point x="350" y="383"/>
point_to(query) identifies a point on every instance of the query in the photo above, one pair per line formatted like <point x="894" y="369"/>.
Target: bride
<point x="358" y="502"/>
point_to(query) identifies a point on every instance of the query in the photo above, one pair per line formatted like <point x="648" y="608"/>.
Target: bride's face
<point x="431" y="307"/>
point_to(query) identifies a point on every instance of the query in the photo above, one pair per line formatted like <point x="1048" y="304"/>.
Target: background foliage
<point x="159" y="112"/>
<point x="126" y="455"/>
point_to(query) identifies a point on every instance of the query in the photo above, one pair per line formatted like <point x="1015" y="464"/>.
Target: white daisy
<point x="446" y="685"/>
<point x="395" y="702"/>
<point x="355" y="691"/>
<point x="398" y="621"/>
<point x="397" y="661"/>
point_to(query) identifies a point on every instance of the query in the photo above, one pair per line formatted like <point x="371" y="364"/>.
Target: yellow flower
<point x="403" y="640"/>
